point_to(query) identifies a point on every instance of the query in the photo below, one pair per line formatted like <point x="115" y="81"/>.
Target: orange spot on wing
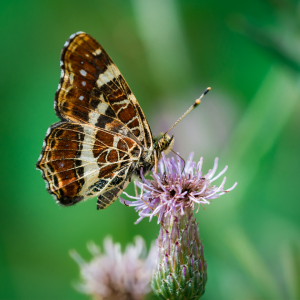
<point x="112" y="156"/>
<point x="127" y="114"/>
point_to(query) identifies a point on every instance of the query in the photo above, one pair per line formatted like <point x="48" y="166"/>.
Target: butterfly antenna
<point x="197" y="102"/>
<point x="182" y="160"/>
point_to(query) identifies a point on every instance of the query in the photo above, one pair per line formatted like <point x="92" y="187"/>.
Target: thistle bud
<point x="181" y="269"/>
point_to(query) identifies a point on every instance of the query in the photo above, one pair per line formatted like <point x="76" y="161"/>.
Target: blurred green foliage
<point x="168" y="51"/>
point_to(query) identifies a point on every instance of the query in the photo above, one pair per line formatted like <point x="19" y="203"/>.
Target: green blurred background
<point x="169" y="52"/>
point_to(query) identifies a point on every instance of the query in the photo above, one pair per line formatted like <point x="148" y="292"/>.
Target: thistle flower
<point x="173" y="190"/>
<point x="172" y="195"/>
<point x="115" y="275"/>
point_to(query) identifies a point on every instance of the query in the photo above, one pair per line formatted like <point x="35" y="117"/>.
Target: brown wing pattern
<point x="80" y="161"/>
<point x="93" y="91"/>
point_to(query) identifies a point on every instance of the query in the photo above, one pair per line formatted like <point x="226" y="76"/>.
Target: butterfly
<point x="103" y="138"/>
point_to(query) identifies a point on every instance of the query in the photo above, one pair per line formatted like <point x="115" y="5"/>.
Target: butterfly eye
<point x="164" y="144"/>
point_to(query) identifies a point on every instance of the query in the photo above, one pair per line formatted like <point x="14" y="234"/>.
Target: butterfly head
<point x="164" y="142"/>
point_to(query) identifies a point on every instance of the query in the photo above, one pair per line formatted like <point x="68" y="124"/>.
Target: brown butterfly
<point x="103" y="137"/>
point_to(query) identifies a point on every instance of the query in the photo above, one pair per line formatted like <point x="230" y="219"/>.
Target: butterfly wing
<point x="93" y="91"/>
<point x="80" y="161"/>
<point x="103" y="130"/>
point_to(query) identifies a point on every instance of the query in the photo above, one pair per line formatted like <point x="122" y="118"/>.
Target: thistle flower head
<point x="115" y="275"/>
<point x="172" y="195"/>
<point x="174" y="190"/>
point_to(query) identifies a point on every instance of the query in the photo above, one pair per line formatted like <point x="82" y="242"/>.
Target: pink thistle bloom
<point x="173" y="191"/>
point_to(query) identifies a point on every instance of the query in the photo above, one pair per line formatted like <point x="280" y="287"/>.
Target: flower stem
<point x="181" y="269"/>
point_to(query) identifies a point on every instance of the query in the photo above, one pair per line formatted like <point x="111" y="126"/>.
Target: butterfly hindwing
<point x="79" y="161"/>
<point x="117" y="185"/>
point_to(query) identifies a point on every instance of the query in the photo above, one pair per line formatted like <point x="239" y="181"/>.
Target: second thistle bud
<point x="181" y="270"/>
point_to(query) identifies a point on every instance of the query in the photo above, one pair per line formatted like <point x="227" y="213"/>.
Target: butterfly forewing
<point x="92" y="90"/>
<point x="103" y="131"/>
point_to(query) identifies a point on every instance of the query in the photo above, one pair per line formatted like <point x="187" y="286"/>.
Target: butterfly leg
<point x="136" y="191"/>
<point x="155" y="161"/>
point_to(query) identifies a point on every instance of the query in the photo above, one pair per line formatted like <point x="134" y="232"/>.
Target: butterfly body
<point x="103" y="138"/>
